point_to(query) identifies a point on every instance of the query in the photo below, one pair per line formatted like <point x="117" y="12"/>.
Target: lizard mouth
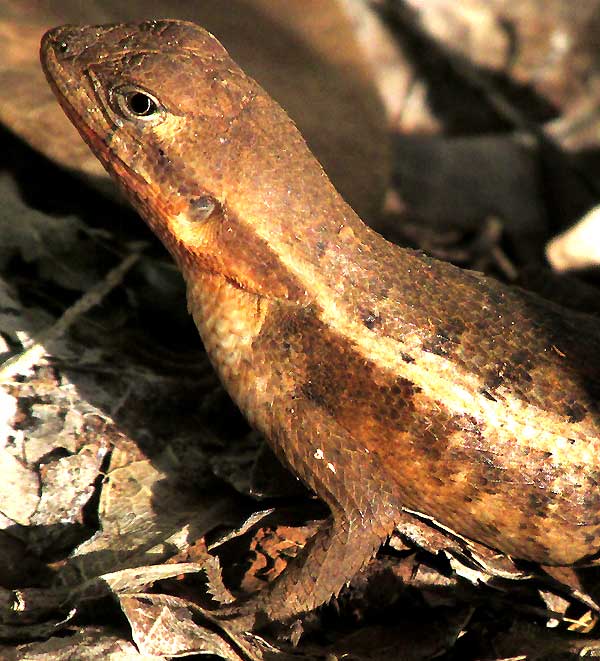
<point x="66" y="84"/>
<point x="74" y="90"/>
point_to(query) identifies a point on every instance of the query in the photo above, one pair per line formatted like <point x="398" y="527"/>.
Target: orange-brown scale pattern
<point x="431" y="456"/>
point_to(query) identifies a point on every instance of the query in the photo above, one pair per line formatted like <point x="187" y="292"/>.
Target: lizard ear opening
<point x="202" y="207"/>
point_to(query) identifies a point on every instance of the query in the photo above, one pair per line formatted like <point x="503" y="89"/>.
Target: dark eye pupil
<point x="140" y="104"/>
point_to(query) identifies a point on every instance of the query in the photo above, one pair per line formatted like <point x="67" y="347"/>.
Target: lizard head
<point x="212" y="163"/>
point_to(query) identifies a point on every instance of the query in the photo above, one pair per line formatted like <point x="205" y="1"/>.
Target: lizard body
<point x="383" y="378"/>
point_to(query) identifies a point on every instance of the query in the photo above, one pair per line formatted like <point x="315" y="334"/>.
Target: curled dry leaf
<point x="145" y="516"/>
<point x="166" y="626"/>
<point x="87" y="644"/>
<point x="19" y="489"/>
<point x="579" y="246"/>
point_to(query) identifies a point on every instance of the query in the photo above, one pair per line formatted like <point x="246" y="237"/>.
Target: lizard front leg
<point x="311" y="578"/>
<point x="363" y="514"/>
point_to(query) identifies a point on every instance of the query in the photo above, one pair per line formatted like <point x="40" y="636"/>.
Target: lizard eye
<point x="136" y="103"/>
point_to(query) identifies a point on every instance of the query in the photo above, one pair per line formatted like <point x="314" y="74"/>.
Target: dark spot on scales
<point x="513" y="374"/>
<point x="520" y="358"/>
<point x="495" y="296"/>
<point x="494" y="381"/>
<point x="313" y="393"/>
<point x="517" y="369"/>
<point x="490" y="528"/>
<point x="538" y="503"/>
<point x="488" y="395"/>
<point x="163" y="160"/>
<point x="384" y="411"/>
<point x="439" y="344"/>
<point x="371" y="319"/>
<point x="594" y="478"/>
<point x="445" y="338"/>
<point x="137" y="60"/>
<point x="575" y="412"/>
<point x="591" y="504"/>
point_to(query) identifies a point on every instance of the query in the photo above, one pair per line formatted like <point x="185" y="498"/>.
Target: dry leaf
<point x="88" y="644"/>
<point x="166" y="626"/>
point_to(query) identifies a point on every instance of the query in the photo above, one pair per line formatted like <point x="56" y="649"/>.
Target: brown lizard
<point x="383" y="378"/>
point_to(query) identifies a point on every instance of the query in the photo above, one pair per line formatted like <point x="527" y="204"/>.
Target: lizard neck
<point x="229" y="319"/>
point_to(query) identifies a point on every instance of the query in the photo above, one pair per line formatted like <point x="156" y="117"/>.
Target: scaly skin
<point x="384" y="379"/>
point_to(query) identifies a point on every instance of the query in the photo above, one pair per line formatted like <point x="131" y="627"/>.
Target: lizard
<point x="386" y="380"/>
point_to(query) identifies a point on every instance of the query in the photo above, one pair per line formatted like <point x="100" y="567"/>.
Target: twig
<point x="23" y="361"/>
